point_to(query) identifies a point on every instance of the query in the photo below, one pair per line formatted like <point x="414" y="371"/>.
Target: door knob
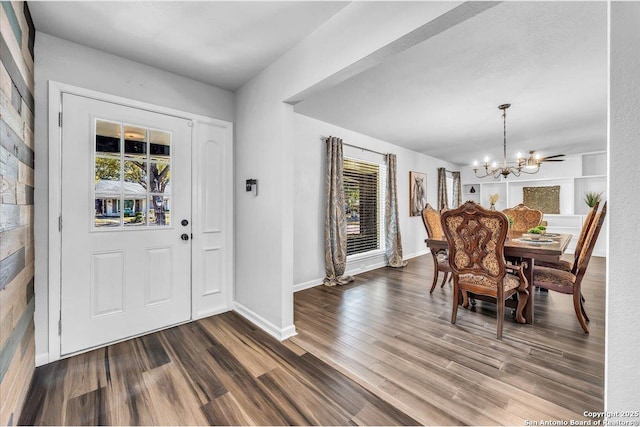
<point x="184" y="236"/>
<point x="184" y="222"/>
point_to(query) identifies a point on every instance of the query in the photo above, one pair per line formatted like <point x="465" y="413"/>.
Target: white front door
<point x="126" y="222"/>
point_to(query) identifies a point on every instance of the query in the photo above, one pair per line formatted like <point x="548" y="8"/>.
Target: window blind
<point x="364" y="188"/>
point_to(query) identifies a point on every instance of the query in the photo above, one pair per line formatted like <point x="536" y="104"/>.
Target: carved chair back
<point x="523" y="217"/>
<point x="476" y="239"/>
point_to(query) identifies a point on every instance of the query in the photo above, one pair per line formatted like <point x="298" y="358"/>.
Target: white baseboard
<point x="42" y="359"/>
<point x="264" y="324"/>
<point x="306" y="285"/>
<point x="288" y="332"/>
<point x="315" y="282"/>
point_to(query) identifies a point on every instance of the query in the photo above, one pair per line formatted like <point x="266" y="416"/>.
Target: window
<point x="450" y="200"/>
<point x="132" y="171"/>
<point x="364" y="190"/>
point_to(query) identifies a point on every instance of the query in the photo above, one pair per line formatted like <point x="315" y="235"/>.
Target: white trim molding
<point x="365" y="255"/>
<point x="307" y="285"/>
<point x="280" y="334"/>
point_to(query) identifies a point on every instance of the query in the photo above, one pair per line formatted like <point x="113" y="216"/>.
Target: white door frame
<point x="56" y="89"/>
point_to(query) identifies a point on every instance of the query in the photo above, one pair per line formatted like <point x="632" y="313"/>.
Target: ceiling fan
<point x="554" y="158"/>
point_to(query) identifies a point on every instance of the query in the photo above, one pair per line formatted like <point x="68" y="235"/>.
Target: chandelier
<point x="529" y="165"/>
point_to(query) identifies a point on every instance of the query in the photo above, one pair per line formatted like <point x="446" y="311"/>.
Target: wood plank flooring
<point x="217" y="371"/>
<point x="389" y="334"/>
<point x="380" y="351"/>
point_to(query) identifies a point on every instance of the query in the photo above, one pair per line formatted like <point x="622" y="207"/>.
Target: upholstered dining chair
<point x="568" y="282"/>
<point x="523" y="217"/>
<point x="573" y="266"/>
<point x="476" y="239"/>
<point x="431" y="220"/>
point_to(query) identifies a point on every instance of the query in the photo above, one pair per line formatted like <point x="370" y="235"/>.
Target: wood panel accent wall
<point x="17" y="346"/>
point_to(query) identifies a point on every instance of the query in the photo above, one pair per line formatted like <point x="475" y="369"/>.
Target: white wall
<point x="74" y="64"/>
<point x="265" y="143"/>
<point x="622" y="372"/>
<point x="309" y="154"/>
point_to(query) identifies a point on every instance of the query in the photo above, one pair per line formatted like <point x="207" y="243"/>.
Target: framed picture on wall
<point x="417" y="193"/>
<point x="546" y="199"/>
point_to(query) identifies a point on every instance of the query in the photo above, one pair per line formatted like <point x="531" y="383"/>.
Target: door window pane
<point x="160" y="178"/>
<point x="159" y="145"/>
<point x="135" y="141"/>
<point x="135" y="177"/>
<point x="159" y="210"/>
<point x="107" y="212"/>
<point x="107" y="175"/>
<point x="135" y="212"/>
<point x="107" y="138"/>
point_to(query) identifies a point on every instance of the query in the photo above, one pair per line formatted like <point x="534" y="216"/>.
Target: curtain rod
<point x="324" y="139"/>
<point x="447" y="170"/>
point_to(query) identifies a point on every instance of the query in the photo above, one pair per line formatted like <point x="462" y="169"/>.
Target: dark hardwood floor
<point x="388" y="333"/>
<point x="380" y="351"/>
<point x="216" y="371"/>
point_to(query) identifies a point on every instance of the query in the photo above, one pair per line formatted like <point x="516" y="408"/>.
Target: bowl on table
<point x="531" y="236"/>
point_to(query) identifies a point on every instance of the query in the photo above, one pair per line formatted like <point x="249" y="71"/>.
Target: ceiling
<point x="439" y="97"/>
<point x="223" y="43"/>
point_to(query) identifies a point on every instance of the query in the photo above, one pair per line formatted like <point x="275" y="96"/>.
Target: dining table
<point x="549" y="247"/>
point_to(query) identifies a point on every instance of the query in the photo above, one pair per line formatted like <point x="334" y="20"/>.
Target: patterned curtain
<point x="393" y="241"/>
<point x="335" y="224"/>
<point x="443" y="203"/>
<point x="457" y="189"/>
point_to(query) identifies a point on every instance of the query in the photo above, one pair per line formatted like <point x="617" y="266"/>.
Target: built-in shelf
<point x="471" y="192"/>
